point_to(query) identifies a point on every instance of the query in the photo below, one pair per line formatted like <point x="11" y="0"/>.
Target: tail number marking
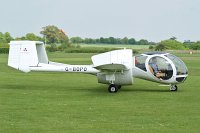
<point x="76" y="69"/>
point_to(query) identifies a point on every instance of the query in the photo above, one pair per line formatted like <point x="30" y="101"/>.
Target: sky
<point x="154" y="20"/>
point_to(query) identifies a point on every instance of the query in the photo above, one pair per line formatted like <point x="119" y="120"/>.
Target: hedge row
<point x="91" y="50"/>
<point x="88" y="50"/>
<point x="4" y="45"/>
<point x="4" y="50"/>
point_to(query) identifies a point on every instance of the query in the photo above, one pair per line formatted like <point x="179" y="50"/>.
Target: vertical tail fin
<point x="23" y="54"/>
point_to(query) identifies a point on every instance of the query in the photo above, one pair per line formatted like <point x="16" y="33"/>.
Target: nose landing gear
<point x="173" y="88"/>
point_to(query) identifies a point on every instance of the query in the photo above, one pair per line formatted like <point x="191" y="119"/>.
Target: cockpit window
<point x="179" y="64"/>
<point x="160" y="68"/>
<point x="140" y="62"/>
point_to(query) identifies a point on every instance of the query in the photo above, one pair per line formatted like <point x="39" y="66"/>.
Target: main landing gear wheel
<point x="173" y="88"/>
<point x="113" y="88"/>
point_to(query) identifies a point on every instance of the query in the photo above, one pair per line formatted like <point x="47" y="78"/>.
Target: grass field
<point x="39" y="102"/>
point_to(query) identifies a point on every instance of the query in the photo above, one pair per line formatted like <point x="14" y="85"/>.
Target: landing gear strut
<point x="113" y="88"/>
<point x="173" y="88"/>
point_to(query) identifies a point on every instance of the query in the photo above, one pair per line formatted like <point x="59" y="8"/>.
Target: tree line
<point x="110" y="40"/>
<point x="54" y="36"/>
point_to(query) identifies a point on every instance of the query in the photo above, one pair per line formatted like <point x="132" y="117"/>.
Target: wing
<point x="111" y="67"/>
<point x="116" y="60"/>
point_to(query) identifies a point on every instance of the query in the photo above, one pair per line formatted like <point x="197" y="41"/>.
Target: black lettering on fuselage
<point x="79" y="69"/>
<point x="76" y="69"/>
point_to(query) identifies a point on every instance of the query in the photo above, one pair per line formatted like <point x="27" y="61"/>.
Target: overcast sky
<point x="154" y="20"/>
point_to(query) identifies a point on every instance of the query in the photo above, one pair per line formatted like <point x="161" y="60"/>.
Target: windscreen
<point x="179" y="64"/>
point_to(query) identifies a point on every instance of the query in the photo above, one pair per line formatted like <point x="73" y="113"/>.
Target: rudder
<point x="23" y="54"/>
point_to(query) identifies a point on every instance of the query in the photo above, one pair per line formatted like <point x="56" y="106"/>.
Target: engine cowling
<point x="118" y="78"/>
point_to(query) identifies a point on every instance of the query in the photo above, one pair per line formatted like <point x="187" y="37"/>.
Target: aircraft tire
<point x="112" y="88"/>
<point x="173" y="88"/>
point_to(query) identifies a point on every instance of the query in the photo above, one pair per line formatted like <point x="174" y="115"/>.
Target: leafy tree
<point x="89" y="41"/>
<point x="102" y="40"/>
<point x="111" y="40"/>
<point x="124" y="40"/>
<point x="63" y="38"/>
<point x="131" y="41"/>
<point x="151" y="47"/>
<point x="188" y="44"/>
<point x="173" y="44"/>
<point x="52" y="48"/>
<point x="21" y="38"/>
<point x="106" y="40"/>
<point x="97" y="40"/>
<point x="32" y="37"/>
<point x="76" y="40"/>
<point x="142" y="42"/>
<point x="173" y="38"/>
<point x="195" y="46"/>
<point x="152" y="43"/>
<point x="7" y="37"/>
<point x="2" y="40"/>
<point x="160" y="47"/>
<point x="54" y="35"/>
<point x="50" y="33"/>
<point x="118" y="40"/>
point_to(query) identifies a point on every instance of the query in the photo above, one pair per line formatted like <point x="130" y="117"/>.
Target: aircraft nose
<point x="181" y="79"/>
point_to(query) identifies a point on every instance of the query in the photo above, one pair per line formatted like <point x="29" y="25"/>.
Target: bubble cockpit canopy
<point x="162" y="65"/>
<point x="181" y="68"/>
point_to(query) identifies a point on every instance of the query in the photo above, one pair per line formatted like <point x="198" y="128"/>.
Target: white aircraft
<point x="115" y="68"/>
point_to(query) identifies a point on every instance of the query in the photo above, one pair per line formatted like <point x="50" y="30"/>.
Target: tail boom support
<point x="65" y="68"/>
<point x="29" y="56"/>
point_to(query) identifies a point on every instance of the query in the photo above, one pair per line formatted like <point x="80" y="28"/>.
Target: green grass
<point x="40" y="102"/>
